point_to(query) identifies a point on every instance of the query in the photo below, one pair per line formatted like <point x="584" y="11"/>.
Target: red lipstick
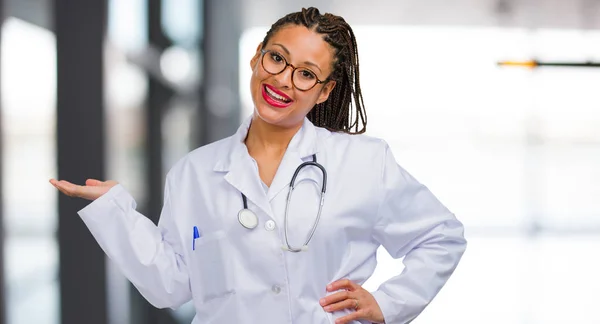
<point x="275" y="97"/>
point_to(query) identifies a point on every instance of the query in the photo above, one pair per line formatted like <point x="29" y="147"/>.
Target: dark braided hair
<point x="338" y="113"/>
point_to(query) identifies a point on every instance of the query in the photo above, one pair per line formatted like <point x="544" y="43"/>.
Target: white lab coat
<point x="239" y="275"/>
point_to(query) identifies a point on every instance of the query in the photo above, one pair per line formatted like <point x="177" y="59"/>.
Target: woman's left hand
<point x="352" y="297"/>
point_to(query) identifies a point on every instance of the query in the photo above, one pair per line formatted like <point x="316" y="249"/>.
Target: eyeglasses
<point x="274" y="63"/>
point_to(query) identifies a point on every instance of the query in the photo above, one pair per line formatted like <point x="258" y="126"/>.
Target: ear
<point x="256" y="56"/>
<point x="325" y="91"/>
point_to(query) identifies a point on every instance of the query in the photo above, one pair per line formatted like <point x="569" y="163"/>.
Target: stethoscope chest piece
<point x="247" y="218"/>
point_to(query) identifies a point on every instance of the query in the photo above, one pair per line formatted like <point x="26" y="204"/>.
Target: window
<point x="29" y="150"/>
<point x="513" y="153"/>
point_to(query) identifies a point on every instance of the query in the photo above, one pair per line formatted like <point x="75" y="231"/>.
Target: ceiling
<point x="576" y="14"/>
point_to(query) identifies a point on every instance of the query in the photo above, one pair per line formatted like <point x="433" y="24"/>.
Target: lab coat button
<point x="276" y="289"/>
<point x="270" y="225"/>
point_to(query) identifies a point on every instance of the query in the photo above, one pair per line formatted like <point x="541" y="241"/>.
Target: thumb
<point x="110" y="183"/>
<point x="98" y="183"/>
<point x="93" y="182"/>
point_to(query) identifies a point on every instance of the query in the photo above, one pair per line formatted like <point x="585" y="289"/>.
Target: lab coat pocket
<point x="211" y="272"/>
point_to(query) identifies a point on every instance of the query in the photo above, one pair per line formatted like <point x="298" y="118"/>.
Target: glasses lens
<point x="304" y="79"/>
<point x="273" y="62"/>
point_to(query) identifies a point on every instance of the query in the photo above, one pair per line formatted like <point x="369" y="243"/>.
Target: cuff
<point x="385" y="304"/>
<point x="97" y="207"/>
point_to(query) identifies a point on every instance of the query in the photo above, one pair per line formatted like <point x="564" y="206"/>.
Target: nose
<point x="284" y="79"/>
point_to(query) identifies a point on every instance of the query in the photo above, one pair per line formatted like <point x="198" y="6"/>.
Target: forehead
<point x="304" y="45"/>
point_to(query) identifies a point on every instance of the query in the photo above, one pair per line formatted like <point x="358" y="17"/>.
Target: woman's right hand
<point x="92" y="189"/>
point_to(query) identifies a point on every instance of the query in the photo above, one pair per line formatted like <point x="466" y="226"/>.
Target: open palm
<point x="91" y="190"/>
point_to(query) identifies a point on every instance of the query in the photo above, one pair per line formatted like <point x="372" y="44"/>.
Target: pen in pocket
<point x="196" y="236"/>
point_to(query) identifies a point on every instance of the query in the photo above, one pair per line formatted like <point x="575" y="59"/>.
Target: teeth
<point x="276" y="96"/>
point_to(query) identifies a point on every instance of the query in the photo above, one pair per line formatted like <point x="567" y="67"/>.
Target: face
<point x="276" y="100"/>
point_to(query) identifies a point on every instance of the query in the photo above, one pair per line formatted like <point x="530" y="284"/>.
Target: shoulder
<point x="359" y="143"/>
<point x="363" y="155"/>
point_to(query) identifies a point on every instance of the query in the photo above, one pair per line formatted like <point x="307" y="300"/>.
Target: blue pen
<point x="196" y="236"/>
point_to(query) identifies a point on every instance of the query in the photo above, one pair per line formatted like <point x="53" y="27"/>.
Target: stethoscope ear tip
<point x="304" y="248"/>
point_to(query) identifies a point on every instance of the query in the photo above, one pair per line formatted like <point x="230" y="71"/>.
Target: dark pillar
<point x="158" y="99"/>
<point x="220" y="103"/>
<point x="80" y="26"/>
<point x="156" y="104"/>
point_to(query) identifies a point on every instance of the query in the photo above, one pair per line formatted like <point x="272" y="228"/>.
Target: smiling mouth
<point x="277" y="97"/>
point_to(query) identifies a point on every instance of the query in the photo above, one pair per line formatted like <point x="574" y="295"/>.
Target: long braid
<point x="344" y="110"/>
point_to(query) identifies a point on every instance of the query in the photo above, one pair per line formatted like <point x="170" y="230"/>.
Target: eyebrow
<point x="305" y="62"/>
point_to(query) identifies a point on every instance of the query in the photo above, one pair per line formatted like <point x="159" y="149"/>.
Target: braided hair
<point x="344" y="109"/>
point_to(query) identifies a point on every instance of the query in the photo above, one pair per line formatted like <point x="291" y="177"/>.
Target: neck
<point x="266" y="138"/>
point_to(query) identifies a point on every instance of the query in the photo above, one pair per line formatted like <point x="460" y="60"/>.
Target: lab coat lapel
<point x="243" y="175"/>
<point x="287" y="167"/>
<point x="301" y="148"/>
<point x="242" y="171"/>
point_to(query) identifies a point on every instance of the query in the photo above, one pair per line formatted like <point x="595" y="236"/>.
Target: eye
<point x="276" y="57"/>
<point x="307" y="74"/>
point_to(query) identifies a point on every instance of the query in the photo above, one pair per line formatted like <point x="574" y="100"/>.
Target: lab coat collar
<point x="304" y="144"/>
<point x="242" y="171"/>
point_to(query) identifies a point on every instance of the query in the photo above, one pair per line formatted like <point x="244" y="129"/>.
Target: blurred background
<point x="121" y="89"/>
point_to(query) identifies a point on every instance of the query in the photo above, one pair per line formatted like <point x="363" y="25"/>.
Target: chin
<point x="277" y="117"/>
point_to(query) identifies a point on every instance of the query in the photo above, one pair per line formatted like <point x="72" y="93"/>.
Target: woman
<point x="230" y="240"/>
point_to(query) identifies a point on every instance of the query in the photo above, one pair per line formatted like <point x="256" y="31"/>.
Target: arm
<point x="414" y="224"/>
<point x="150" y="257"/>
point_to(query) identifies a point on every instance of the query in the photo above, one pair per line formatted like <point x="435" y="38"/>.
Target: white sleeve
<point x="150" y="257"/>
<point x="414" y="224"/>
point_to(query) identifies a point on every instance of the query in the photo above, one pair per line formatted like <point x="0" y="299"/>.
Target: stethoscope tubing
<point x="288" y="246"/>
<point x="289" y="199"/>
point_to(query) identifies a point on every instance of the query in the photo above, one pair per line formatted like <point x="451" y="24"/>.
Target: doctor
<point x="237" y="240"/>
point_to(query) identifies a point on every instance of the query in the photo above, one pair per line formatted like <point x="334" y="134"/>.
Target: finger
<point x="63" y="191"/>
<point x="350" y="317"/>
<point x="62" y="183"/>
<point x="342" y="284"/>
<point x="345" y="304"/>
<point x="86" y="192"/>
<point x="57" y="185"/>
<point x="68" y="188"/>
<point x="334" y="298"/>
<point x="55" y="182"/>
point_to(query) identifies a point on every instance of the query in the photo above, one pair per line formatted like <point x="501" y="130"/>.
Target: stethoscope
<point x="249" y="220"/>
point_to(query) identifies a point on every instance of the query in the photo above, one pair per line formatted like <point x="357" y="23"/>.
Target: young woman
<point x="280" y="223"/>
